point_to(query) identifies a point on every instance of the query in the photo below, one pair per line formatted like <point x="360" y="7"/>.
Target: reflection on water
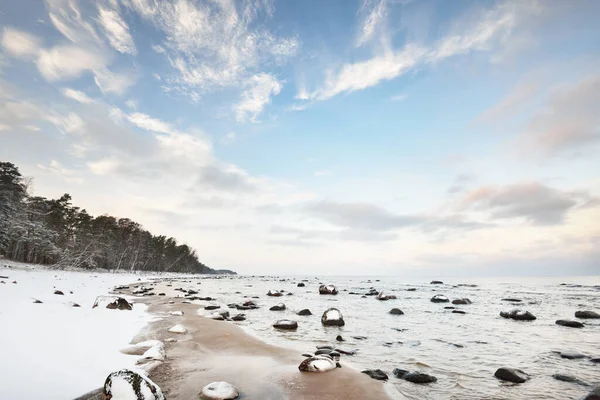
<point x="462" y="350"/>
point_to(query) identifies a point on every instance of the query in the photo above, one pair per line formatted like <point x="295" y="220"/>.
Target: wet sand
<point x="221" y="351"/>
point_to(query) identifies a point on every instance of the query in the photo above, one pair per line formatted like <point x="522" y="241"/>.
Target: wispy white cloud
<point x="116" y="30"/>
<point x="491" y="27"/>
<point x="20" y="44"/>
<point x="67" y="61"/>
<point x="259" y="90"/>
<point x="216" y="45"/>
<point x="113" y="82"/>
<point x="398" y="97"/>
<point x="373" y="13"/>
<point x="77" y="95"/>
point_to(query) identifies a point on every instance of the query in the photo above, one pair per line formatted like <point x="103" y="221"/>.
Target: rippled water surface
<point x="462" y="351"/>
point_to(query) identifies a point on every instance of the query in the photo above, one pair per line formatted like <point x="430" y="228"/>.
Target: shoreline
<point x="222" y="351"/>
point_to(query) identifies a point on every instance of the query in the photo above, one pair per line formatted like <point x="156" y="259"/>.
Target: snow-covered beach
<point x="53" y="349"/>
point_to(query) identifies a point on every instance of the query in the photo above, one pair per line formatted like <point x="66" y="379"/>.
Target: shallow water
<point x="462" y="351"/>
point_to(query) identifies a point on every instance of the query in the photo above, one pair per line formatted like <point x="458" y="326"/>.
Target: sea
<point x="462" y="351"/>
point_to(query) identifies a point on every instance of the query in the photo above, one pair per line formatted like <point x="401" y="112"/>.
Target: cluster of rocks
<point x="414" y="377"/>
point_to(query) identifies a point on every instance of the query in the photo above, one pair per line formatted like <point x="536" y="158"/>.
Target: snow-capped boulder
<point x="278" y="307"/>
<point x="327" y="289"/>
<point x="156" y="352"/>
<point x="439" y="298"/>
<point x="319" y="363"/>
<point x="383" y="296"/>
<point x="332" y="317"/>
<point x="219" y="391"/>
<point x="130" y="385"/>
<point x="274" y="293"/>
<point x="178" y="329"/>
<point x="518" y="315"/>
<point x="112" y="303"/>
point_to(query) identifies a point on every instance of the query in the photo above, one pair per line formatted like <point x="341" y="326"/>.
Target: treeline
<point x="54" y="232"/>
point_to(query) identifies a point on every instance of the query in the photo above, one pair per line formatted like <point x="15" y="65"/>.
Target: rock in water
<point x="593" y="395"/>
<point x="219" y="391"/>
<point x="414" y="377"/>
<point x="570" y="355"/>
<point x="396" y="311"/>
<point x="458" y="312"/>
<point x="518" y="315"/>
<point x="587" y="314"/>
<point x="178" y="329"/>
<point x="569" y="378"/>
<point x="274" y="293"/>
<point x="464" y="301"/>
<point x="211" y="307"/>
<point x="129" y="385"/>
<point x="304" y="312"/>
<point x="239" y="317"/>
<point x="58" y="292"/>
<point x="439" y="298"/>
<point x="339" y="338"/>
<point x="112" y="303"/>
<point x="570" y="324"/>
<point x="286" y="324"/>
<point x="301" y="284"/>
<point x="511" y="375"/>
<point x="322" y="363"/>
<point x="376" y="374"/>
<point x="176" y="313"/>
<point x="382" y="296"/>
<point x="437" y="282"/>
<point x="327" y="289"/>
<point x="332" y="317"/>
<point x="278" y="307"/>
<point x="36" y="301"/>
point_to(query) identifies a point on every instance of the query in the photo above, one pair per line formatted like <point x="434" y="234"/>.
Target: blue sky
<point x="340" y="137"/>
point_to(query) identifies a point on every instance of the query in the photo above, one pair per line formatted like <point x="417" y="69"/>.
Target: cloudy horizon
<point x="368" y="137"/>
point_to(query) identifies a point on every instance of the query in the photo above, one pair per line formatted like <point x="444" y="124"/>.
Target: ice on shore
<point x="219" y="391"/>
<point x="61" y="352"/>
<point x="178" y="329"/>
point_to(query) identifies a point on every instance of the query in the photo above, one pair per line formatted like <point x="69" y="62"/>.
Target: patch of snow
<point x="178" y="329"/>
<point x="176" y="313"/>
<point x="59" y="351"/>
<point x="333" y="314"/>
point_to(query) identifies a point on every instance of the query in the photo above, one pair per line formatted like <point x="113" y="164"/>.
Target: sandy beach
<point x="221" y="351"/>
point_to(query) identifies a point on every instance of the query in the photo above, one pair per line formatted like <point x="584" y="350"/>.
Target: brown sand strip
<point x="221" y="351"/>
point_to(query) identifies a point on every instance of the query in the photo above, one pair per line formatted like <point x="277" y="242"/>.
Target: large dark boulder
<point x="511" y="375"/>
<point x="414" y="377"/>
<point x="122" y="384"/>
<point x="518" y="315"/>
<point x="301" y="284"/>
<point x="332" y="317"/>
<point x="304" y="312"/>
<point x="464" y="301"/>
<point x="437" y="282"/>
<point x="570" y="324"/>
<point x="587" y="314"/>
<point x="396" y="311"/>
<point x="376" y="374"/>
<point x="439" y="298"/>
<point x="328" y="289"/>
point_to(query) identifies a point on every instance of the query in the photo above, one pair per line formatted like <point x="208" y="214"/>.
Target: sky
<point x="339" y="137"/>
